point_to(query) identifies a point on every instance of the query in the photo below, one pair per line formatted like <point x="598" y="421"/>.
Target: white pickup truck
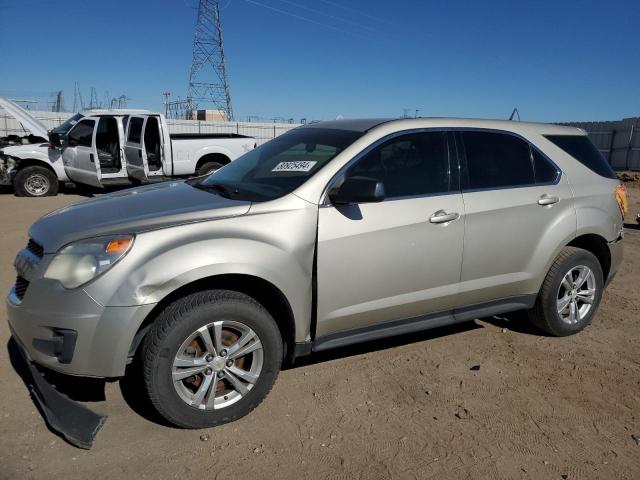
<point x="106" y="147"/>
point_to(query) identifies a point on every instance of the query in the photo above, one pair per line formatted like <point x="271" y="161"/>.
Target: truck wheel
<point x="210" y="358"/>
<point x="208" y="168"/>
<point x="35" y="181"/>
<point x="570" y="293"/>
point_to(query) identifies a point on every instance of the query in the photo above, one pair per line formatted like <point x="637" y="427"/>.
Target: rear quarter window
<point x="581" y="148"/>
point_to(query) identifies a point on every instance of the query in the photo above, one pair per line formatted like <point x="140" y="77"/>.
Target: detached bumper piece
<point x="75" y="422"/>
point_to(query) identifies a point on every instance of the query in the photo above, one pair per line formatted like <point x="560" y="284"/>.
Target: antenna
<point x="208" y="82"/>
<point x="514" y="113"/>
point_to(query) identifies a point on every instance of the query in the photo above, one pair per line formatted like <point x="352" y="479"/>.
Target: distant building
<point x="209" y="115"/>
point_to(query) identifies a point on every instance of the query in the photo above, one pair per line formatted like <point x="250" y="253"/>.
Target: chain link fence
<point x="262" y="132"/>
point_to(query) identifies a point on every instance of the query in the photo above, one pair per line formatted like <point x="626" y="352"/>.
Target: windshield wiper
<point x="216" y="187"/>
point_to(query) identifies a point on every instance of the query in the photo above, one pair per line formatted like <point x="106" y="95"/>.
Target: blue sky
<point x="555" y="60"/>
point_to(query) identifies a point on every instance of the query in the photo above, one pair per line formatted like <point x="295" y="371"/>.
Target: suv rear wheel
<point x="570" y="293"/>
<point x="211" y="358"/>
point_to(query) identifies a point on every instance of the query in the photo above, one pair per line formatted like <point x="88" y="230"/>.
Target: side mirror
<point x="57" y="140"/>
<point x="358" y="190"/>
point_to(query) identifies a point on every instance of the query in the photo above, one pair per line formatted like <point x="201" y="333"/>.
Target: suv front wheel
<point x="210" y="358"/>
<point x="570" y="293"/>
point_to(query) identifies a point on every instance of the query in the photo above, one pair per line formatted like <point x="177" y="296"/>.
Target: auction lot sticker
<point x="294" y="166"/>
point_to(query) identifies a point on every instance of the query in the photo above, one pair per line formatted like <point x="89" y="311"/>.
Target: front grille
<point x="20" y="287"/>
<point x="35" y="248"/>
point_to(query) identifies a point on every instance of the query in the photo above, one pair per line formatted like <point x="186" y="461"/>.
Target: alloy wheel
<point x="576" y="294"/>
<point x="217" y="365"/>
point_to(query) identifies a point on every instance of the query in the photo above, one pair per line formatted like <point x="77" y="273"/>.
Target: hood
<point x="131" y="211"/>
<point x="19" y="151"/>
<point x="29" y="123"/>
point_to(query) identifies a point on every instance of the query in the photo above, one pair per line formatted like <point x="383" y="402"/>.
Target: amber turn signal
<point x="621" y="198"/>
<point x="118" y="245"/>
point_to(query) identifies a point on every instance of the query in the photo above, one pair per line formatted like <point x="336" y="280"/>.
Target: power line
<point x="360" y="12"/>
<point x="300" y="17"/>
<point x="340" y="19"/>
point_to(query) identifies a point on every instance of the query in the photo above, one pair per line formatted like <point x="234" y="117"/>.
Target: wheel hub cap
<point x="218" y="363"/>
<point x="37" y="184"/>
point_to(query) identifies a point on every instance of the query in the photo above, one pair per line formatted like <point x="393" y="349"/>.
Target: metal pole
<point x="611" y="144"/>
<point x="629" y="146"/>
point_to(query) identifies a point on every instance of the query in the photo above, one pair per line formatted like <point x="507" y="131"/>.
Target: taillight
<point x="621" y="199"/>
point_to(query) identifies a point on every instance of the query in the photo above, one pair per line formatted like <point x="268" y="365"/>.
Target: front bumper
<point x="75" y="422"/>
<point x="67" y="331"/>
<point x="7" y="169"/>
<point x="5" y="174"/>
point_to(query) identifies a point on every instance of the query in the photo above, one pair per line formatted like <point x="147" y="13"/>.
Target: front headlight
<point x="82" y="261"/>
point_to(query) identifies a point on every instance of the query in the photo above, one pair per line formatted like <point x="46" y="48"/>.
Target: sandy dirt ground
<point x="409" y="407"/>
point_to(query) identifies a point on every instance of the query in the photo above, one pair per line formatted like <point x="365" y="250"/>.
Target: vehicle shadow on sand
<point x="93" y="390"/>
<point x="515" y="322"/>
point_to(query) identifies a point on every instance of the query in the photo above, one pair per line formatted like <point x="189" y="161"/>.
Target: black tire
<point x="35" y="181"/>
<point x="175" y="324"/>
<point x="545" y="314"/>
<point x="208" y="167"/>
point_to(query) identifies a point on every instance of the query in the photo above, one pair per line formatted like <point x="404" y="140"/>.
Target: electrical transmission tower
<point x="58" y="105"/>
<point x="93" y="103"/>
<point x="78" y="102"/>
<point x="208" y="82"/>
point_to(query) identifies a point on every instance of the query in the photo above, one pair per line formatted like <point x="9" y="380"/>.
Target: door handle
<point x="443" y="217"/>
<point x="547" y="200"/>
<point x="92" y="158"/>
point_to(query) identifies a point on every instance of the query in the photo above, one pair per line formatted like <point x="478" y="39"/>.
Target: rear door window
<point x="581" y="148"/>
<point x="546" y="172"/>
<point x="135" y="130"/>
<point x="496" y="160"/>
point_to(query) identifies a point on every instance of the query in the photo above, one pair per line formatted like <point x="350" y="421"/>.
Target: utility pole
<point x="208" y="81"/>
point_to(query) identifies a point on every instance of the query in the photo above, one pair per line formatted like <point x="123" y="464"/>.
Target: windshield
<point x="68" y="125"/>
<point x="279" y="166"/>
